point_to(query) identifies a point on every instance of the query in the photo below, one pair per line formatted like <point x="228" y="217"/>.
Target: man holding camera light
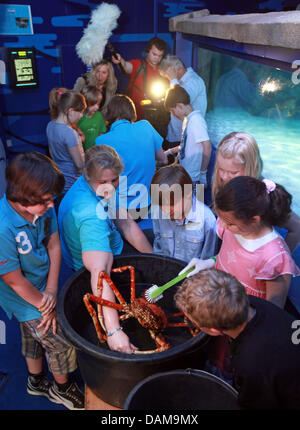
<point x="143" y="72"/>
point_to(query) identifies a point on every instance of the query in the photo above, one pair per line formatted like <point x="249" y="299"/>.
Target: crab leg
<point x="99" y="290"/>
<point x="192" y="330"/>
<point x="132" y="279"/>
<point x="179" y="324"/>
<point x="182" y="324"/>
<point x="160" y="341"/>
<point x="104" y="275"/>
<point x="93" y="314"/>
<point x="100" y="302"/>
<point x="103" y="302"/>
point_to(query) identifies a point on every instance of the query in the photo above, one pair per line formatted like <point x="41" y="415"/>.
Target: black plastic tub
<point x="111" y="375"/>
<point x="182" y="390"/>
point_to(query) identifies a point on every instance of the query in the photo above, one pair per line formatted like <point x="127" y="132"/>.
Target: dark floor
<point x="13" y="370"/>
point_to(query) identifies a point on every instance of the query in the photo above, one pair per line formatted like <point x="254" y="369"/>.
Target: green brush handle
<point x="169" y="284"/>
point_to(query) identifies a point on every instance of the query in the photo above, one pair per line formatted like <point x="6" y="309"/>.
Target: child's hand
<point x="199" y="265"/>
<point x="175" y="150"/>
<point x="172" y="150"/>
<point x="49" y="320"/>
<point x="119" y="341"/>
<point x="48" y="302"/>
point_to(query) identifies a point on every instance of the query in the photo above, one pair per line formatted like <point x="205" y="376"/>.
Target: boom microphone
<point x="103" y="20"/>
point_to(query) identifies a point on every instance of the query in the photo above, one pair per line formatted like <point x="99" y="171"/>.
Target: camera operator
<point x="142" y="72"/>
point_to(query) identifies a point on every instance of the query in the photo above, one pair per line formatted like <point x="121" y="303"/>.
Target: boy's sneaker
<point x="72" y="398"/>
<point x="41" y="388"/>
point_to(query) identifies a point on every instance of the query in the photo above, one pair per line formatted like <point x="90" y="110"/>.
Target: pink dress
<point x="254" y="268"/>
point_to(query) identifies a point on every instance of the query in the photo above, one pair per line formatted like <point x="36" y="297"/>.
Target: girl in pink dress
<point x="251" y="249"/>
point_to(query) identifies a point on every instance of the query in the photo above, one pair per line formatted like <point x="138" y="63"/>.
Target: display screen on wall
<point x="22" y="67"/>
<point x="15" y="19"/>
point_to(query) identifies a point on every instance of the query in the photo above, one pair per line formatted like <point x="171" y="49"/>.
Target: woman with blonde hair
<point x="91" y="233"/>
<point x="103" y="77"/>
<point x="238" y="155"/>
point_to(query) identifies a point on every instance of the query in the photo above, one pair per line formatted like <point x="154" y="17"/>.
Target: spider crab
<point x="149" y="315"/>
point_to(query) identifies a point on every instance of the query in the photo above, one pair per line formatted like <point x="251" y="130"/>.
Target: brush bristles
<point x="149" y="292"/>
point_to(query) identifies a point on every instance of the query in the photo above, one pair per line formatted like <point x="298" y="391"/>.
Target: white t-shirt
<point x="196" y="132"/>
<point x="196" y="89"/>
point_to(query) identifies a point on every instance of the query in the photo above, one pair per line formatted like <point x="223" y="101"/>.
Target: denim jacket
<point x="195" y="236"/>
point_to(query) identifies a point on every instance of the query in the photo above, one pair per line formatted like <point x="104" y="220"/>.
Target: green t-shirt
<point x="91" y="127"/>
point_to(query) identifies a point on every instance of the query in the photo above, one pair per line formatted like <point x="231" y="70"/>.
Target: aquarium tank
<point x="260" y="100"/>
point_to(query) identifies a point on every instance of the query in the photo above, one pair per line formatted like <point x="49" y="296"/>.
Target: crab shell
<point x="149" y="315"/>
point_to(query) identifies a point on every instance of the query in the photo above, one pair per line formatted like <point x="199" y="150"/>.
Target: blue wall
<point x="58" y="26"/>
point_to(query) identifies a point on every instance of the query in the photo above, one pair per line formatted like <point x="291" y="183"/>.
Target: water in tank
<point x="262" y="101"/>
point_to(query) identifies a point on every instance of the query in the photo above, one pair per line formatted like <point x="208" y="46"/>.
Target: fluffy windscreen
<point x="103" y="21"/>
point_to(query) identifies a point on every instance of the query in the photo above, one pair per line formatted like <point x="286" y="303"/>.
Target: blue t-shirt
<point x="22" y="246"/>
<point x="85" y="225"/>
<point x="136" y="143"/>
<point x="60" y="138"/>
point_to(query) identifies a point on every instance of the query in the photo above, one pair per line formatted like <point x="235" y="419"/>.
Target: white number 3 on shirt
<point x="24" y="241"/>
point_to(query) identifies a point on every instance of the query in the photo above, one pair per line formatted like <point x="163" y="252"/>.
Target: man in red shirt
<point x="142" y="72"/>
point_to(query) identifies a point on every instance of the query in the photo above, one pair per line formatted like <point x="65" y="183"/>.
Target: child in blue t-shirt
<point x="30" y="256"/>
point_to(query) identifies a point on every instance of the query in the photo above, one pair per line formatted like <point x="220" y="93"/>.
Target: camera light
<point x="158" y="89"/>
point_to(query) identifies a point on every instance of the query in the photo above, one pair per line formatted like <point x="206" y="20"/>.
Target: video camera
<point x="112" y="49"/>
<point x="154" y="110"/>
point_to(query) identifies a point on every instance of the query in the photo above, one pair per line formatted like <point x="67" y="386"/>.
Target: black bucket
<point x="182" y="390"/>
<point x="111" y="375"/>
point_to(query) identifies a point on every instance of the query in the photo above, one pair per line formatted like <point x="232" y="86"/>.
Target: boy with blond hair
<point x="264" y="357"/>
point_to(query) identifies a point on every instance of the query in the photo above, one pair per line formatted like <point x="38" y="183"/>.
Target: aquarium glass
<point x="262" y="101"/>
